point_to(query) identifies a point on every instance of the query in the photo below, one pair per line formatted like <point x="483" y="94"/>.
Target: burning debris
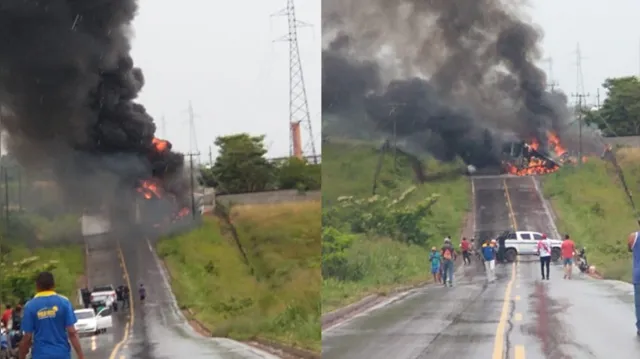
<point x="67" y="91"/>
<point x="528" y="158"/>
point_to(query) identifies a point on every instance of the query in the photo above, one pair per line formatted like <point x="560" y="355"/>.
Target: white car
<point x="91" y="323"/>
<point x="526" y="243"/>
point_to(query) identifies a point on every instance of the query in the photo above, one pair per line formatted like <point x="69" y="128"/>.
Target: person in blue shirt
<point x="634" y="247"/>
<point x="489" y="256"/>
<point x="435" y="259"/>
<point x="48" y="324"/>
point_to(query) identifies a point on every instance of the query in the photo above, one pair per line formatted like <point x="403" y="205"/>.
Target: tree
<point x="620" y="112"/>
<point x="17" y="278"/>
<point x="295" y="173"/>
<point x="241" y="165"/>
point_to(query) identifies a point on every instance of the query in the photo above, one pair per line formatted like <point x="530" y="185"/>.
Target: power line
<point x="298" y="102"/>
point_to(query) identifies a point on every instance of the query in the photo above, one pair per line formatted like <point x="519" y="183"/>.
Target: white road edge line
<point x="371" y="309"/>
<point x="547" y="210"/>
<point x="224" y="342"/>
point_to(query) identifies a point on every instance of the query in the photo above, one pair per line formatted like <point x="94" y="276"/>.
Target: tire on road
<point x="510" y="255"/>
<point x="555" y="254"/>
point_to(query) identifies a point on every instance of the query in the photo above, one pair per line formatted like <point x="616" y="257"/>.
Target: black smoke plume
<point x="67" y="91"/>
<point x="454" y="77"/>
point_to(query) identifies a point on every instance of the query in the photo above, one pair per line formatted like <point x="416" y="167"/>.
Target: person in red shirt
<point x="464" y="247"/>
<point x="6" y="316"/>
<point x="568" y="249"/>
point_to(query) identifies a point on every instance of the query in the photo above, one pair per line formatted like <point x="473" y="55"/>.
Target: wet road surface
<point x="517" y="317"/>
<point x="159" y="330"/>
<point x="103" y="268"/>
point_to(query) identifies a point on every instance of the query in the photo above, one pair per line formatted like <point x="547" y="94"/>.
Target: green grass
<point x="280" y="301"/>
<point x="348" y="170"/>
<point x="386" y="264"/>
<point x="69" y="271"/>
<point x="592" y="207"/>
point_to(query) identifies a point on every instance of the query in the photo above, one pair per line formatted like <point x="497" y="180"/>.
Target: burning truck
<point x="526" y="158"/>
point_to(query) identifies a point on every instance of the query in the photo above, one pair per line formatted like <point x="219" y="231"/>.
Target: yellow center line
<point x="498" y="344"/>
<point x="131" y="310"/>
<point x="519" y="352"/>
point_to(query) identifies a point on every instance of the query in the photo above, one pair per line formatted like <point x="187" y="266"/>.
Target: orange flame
<point x="160" y="145"/>
<point x="536" y="166"/>
<point x="183" y="212"/>
<point x="554" y="144"/>
<point x="150" y="189"/>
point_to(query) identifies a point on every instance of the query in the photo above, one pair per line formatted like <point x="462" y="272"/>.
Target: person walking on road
<point x="489" y="257"/>
<point x="544" y="251"/>
<point x="126" y="295"/>
<point x="634" y="248"/>
<point x="435" y="259"/>
<point x="568" y="250"/>
<point x="465" y="247"/>
<point x="49" y="324"/>
<point x="448" y="257"/>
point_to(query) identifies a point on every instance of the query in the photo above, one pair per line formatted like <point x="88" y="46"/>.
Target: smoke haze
<point x="67" y="91"/>
<point x="457" y="77"/>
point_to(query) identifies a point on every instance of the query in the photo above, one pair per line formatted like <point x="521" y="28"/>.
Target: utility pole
<point x="392" y="114"/>
<point x="193" y="183"/>
<point x="210" y="157"/>
<point x="551" y="83"/>
<point x="579" y="112"/>
<point x="598" y="98"/>
<point x="298" y="102"/>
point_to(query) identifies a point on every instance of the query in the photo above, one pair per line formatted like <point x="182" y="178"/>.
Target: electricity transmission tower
<point x="580" y="97"/>
<point x="298" y="103"/>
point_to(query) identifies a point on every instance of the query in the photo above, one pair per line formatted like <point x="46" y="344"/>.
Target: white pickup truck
<point x="526" y="243"/>
<point x="104" y="295"/>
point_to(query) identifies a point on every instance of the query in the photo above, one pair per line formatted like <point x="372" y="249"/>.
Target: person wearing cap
<point x="435" y="259"/>
<point x="489" y="256"/>
<point x="544" y="251"/>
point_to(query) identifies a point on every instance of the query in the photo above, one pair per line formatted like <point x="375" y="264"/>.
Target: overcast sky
<point x="608" y="34"/>
<point x="221" y="56"/>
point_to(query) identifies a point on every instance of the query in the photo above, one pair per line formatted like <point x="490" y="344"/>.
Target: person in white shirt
<point x="544" y="251"/>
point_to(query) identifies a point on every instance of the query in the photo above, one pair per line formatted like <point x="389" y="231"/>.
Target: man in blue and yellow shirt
<point x="48" y="323"/>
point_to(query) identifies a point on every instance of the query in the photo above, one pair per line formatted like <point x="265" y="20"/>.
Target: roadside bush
<point x="383" y="216"/>
<point x="334" y="260"/>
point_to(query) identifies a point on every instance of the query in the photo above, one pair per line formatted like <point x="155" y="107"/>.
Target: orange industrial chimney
<point x="296" y="141"/>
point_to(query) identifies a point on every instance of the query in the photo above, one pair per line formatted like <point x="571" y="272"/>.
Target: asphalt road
<point x="103" y="269"/>
<point x="154" y="329"/>
<point x="159" y="330"/>
<point x="517" y="317"/>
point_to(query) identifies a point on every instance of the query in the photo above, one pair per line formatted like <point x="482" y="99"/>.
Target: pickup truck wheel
<point x="555" y="254"/>
<point x="510" y="255"/>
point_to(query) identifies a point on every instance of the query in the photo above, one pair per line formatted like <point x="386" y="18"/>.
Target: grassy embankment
<point x="348" y="170"/>
<point x="591" y="206"/>
<point x="280" y="301"/>
<point x="43" y="236"/>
